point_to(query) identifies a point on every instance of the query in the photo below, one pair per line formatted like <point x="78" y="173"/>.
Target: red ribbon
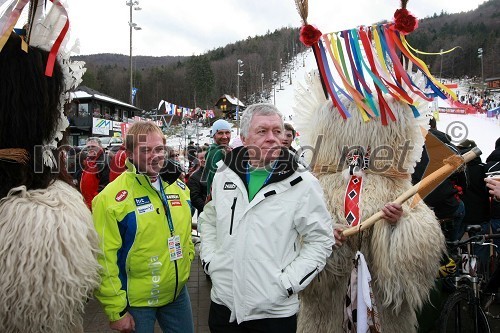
<point x="384" y="107"/>
<point x="49" y="69"/>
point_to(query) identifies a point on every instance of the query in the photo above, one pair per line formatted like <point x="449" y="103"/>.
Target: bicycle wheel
<point x="457" y="315"/>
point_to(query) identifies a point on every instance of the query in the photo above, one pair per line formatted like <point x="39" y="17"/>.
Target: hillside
<point x="120" y="60"/>
<point x="470" y="30"/>
<point x="201" y="80"/>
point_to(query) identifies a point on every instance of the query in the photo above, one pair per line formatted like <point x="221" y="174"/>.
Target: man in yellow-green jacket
<point x="143" y="219"/>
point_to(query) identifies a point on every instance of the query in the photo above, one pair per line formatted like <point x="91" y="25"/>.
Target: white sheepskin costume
<point x="48" y="250"/>
<point x="403" y="259"/>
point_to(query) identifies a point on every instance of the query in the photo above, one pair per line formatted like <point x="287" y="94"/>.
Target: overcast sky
<point x="192" y="27"/>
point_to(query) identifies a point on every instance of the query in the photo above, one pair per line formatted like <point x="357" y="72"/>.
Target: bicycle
<point x="463" y="311"/>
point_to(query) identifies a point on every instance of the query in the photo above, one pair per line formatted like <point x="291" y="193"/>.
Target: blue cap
<point x="218" y="125"/>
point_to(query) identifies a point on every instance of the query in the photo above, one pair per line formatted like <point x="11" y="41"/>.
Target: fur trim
<point x="48" y="251"/>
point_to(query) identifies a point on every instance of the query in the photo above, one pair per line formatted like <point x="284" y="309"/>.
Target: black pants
<point x="218" y="321"/>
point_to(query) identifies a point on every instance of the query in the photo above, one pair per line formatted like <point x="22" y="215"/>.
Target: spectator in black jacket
<point x="191" y="153"/>
<point x="197" y="187"/>
<point x="476" y="197"/>
<point x="444" y="199"/>
<point x="492" y="165"/>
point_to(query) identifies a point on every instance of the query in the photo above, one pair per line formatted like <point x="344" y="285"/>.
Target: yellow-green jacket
<point x="131" y="220"/>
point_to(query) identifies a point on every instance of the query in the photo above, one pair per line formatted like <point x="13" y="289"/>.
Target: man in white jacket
<point x="266" y="233"/>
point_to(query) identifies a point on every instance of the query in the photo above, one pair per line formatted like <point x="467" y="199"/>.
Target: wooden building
<point x="92" y="113"/>
<point x="227" y="105"/>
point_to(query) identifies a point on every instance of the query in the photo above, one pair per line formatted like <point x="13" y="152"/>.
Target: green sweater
<point x="214" y="154"/>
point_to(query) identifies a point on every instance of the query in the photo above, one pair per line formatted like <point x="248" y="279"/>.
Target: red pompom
<point x="404" y="21"/>
<point x="309" y="35"/>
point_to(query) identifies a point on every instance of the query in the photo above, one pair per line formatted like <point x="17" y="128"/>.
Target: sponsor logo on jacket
<point x="174" y="199"/>
<point x="144" y="205"/>
<point x="229" y="186"/>
<point x="122" y="195"/>
<point x="181" y="184"/>
<point x="142" y="201"/>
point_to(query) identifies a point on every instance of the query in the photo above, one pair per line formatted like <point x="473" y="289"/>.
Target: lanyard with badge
<point x="174" y="241"/>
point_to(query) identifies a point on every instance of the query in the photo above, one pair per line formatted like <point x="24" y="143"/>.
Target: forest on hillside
<point x="469" y="31"/>
<point x="198" y="81"/>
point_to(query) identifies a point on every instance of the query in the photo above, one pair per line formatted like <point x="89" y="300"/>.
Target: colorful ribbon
<point x="373" y="54"/>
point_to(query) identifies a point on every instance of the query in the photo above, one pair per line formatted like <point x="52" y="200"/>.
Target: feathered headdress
<point x="48" y="30"/>
<point x="367" y="61"/>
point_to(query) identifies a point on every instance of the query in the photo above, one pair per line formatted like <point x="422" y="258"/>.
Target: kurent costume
<point x="366" y="133"/>
<point x="48" y="255"/>
<point x="273" y="265"/>
<point x="48" y="245"/>
<point x="130" y="218"/>
<point x="403" y="259"/>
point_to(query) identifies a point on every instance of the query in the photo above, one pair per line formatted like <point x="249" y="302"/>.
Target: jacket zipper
<point x="232" y="215"/>
<point x="175" y="262"/>
<point x="308" y="275"/>
<point x="176" y="280"/>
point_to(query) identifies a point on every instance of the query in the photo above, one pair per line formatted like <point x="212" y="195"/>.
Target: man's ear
<point x="243" y="140"/>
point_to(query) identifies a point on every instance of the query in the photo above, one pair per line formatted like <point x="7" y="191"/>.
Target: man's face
<point x="201" y="159"/>
<point x="93" y="148"/>
<point x="264" y="139"/>
<point x="148" y="155"/>
<point x="222" y="137"/>
<point x="287" y="139"/>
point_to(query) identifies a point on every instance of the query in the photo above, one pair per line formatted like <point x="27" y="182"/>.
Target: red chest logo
<point x="122" y="195"/>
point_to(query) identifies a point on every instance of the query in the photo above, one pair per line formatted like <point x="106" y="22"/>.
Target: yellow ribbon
<point x="405" y="42"/>
<point x="425" y="69"/>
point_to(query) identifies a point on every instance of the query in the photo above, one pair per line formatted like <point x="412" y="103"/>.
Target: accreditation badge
<point x="174" y="247"/>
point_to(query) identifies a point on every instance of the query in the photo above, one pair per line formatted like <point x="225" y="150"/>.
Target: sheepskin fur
<point x="48" y="251"/>
<point x="403" y="259"/>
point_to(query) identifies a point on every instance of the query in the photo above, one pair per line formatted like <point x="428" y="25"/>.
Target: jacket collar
<point x="169" y="173"/>
<point x="285" y="165"/>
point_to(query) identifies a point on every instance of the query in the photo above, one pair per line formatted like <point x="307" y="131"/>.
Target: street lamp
<point x="281" y="88"/>
<point x="133" y="26"/>
<point x="262" y="85"/>
<point x="274" y="86"/>
<point x="240" y="73"/>
<point x="441" y="68"/>
<point x="480" y="55"/>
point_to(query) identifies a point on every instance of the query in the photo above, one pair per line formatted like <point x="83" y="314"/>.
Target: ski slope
<point x="484" y="131"/>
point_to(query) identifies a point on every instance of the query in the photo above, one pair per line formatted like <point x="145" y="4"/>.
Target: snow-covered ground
<point x="484" y="131"/>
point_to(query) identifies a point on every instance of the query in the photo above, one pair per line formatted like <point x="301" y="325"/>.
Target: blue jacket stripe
<point x="128" y="228"/>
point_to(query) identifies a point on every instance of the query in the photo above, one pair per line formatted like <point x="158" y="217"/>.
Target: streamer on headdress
<point x="366" y="63"/>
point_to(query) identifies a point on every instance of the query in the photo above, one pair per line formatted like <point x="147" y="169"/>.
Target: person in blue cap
<point x="221" y="132"/>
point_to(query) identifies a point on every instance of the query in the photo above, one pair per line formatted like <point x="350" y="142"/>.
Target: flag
<point x="134" y="92"/>
<point x="169" y="108"/>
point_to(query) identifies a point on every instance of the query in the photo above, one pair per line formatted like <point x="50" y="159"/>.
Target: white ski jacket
<point x="260" y="254"/>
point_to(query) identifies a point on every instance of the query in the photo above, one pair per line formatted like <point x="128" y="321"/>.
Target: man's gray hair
<point x="262" y="109"/>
